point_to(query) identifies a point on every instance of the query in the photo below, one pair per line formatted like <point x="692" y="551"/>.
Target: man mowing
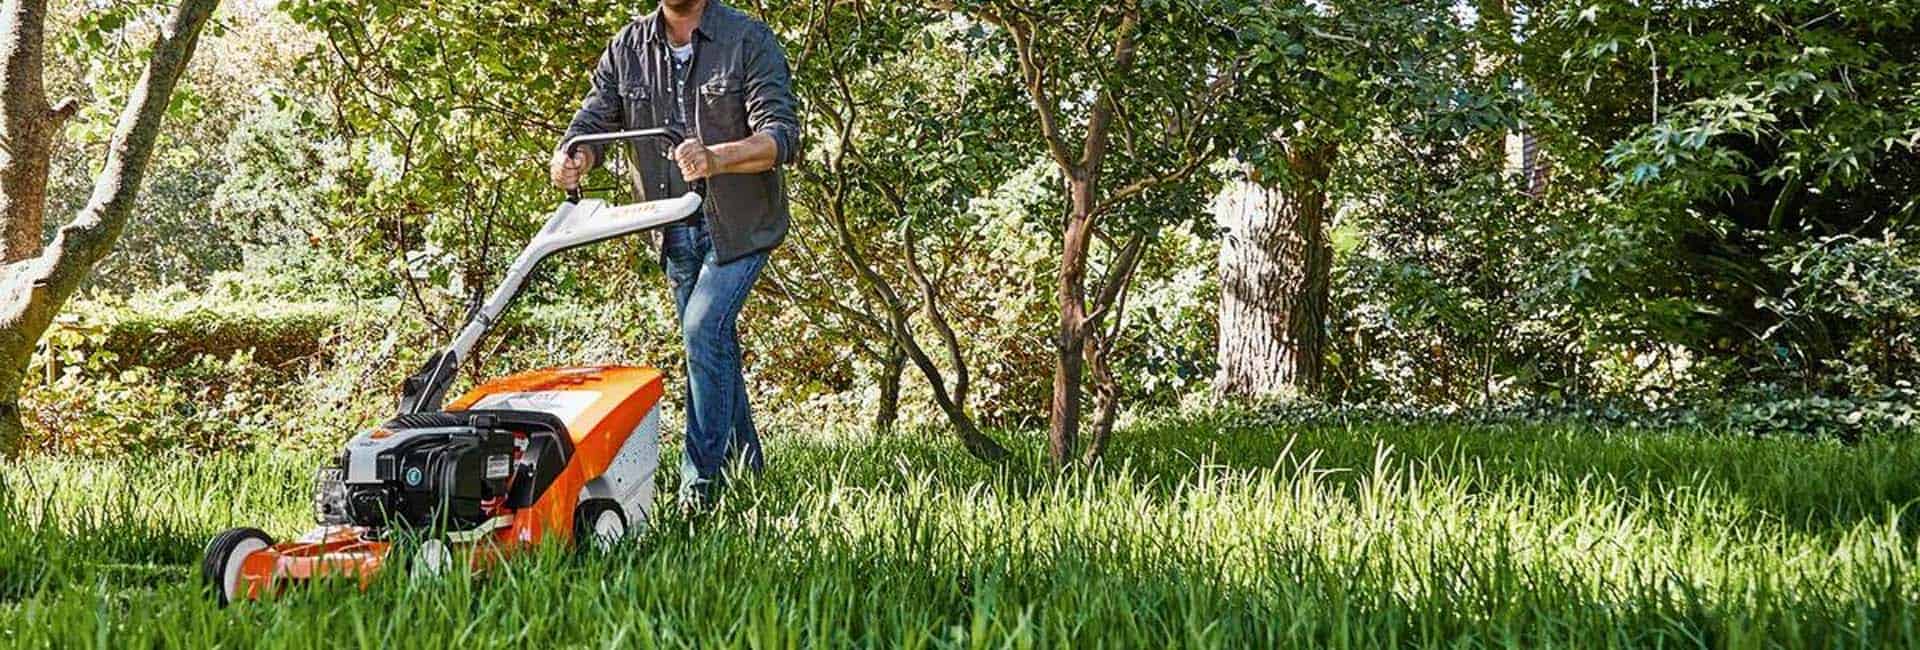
<point x="721" y="77"/>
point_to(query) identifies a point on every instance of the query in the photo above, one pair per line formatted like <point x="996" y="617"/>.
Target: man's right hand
<point x="567" y="171"/>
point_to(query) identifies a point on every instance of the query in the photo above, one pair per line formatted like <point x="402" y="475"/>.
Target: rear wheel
<point x="220" y="569"/>
<point x="598" y="524"/>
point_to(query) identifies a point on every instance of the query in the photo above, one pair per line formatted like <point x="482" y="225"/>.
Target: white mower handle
<point x="574" y="224"/>
<point x="672" y="136"/>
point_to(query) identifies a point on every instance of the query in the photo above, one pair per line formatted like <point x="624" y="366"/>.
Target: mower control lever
<point x="671" y="135"/>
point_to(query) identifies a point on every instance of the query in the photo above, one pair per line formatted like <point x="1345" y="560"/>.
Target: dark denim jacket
<point x="743" y="87"/>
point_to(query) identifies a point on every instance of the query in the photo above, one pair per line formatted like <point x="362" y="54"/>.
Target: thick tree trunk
<point x="1275" y="266"/>
<point x="33" y="290"/>
<point x="26" y="128"/>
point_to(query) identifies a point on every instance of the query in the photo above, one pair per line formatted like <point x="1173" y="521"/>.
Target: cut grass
<point x="1211" y="532"/>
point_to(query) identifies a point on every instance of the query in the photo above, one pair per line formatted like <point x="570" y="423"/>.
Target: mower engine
<point x="435" y="472"/>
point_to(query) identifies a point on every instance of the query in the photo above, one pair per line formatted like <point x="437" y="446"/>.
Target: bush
<point x="175" y="330"/>
<point x="172" y="371"/>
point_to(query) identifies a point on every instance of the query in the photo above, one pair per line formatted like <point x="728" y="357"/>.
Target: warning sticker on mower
<point x="563" y="404"/>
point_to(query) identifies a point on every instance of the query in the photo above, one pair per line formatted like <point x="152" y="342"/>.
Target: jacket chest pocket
<point x="638" y="105"/>
<point x="723" y="106"/>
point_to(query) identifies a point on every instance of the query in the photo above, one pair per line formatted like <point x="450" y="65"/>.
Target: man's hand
<point x="696" y="160"/>
<point x="567" y="171"/>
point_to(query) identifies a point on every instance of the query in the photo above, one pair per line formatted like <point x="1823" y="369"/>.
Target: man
<point x="721" y="78"/>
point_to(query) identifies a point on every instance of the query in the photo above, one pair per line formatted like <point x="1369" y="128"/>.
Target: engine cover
<point x="427" y="478"/>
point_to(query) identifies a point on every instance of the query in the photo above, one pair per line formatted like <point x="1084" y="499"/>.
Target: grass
<point x="1210" y="532"/>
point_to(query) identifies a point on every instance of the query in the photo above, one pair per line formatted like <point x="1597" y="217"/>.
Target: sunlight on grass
<point x="1211" y="533"/>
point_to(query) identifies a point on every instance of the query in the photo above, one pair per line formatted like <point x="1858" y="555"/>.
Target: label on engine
<point x="499" y="466"/>
<point x="563" y="404"/>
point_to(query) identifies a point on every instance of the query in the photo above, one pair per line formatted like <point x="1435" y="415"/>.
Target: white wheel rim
<point x="434" y="559"/>
<point x="608" y="528"/>
<point x="230" y="574"/>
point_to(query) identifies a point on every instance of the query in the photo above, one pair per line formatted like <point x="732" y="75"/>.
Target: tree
<point x="441" y="111"/>
<point x="1733" y="152"/>
<point x="1128" y="101"/>
<point x="1332" y="76"/>
<point x="36" y="282"/>
<point x="1275" y="277"/>
<point x="907" y="146"/>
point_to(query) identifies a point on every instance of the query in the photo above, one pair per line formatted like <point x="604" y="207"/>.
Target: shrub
<point x="167" y="370"/>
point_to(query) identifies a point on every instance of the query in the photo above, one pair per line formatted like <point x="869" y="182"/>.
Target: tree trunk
<point x="887" y="415"/>
<point x="33" y="290"/>
<point x="1275" y="266"/>
<point x="27" y="125"/>
<point x="1106" y="395"/>
<point x="1071" y="344"/>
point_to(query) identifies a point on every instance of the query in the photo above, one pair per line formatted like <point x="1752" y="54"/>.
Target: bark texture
<point x="33" y="288"/>
<point x="886" y="414"/>
<point x="1274" y="268"/>
<point x="26" y="128"/>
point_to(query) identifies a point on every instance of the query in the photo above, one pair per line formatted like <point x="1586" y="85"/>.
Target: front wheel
<point x="220" y="569"/>
<point x="598" y="524"/>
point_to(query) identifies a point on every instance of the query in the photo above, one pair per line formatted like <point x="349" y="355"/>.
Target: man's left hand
<point x="696" y="160"/>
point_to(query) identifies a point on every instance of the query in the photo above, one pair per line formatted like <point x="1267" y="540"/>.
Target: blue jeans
<point x="709" y="296"/>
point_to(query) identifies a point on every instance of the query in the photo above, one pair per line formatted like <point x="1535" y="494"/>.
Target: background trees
<point x="1129" y="102"/>
<point x="1745" y="145"/>
<point x="1337" y="84"/>
<point x="1006" y="218"/>
<point x="914" y="133"/>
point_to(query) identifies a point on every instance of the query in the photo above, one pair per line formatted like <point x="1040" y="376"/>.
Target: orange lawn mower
<point x="564" y="453"/>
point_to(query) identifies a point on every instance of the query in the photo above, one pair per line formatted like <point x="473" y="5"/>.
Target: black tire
<point x="220" y="554"/>
<point x="586" y="519"/>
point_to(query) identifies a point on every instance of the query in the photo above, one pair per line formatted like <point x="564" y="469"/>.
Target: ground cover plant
<point x="1214" y="530"/>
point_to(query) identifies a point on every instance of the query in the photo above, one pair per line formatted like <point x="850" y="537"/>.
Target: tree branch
<point x="930" y="302"/>
<point x="1102" y="118"/>
<point x="1033" y="71"/>
<point x="1117" y="277"/>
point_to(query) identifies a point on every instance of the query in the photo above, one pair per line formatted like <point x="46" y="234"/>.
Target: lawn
<point x="1215" y="531"/>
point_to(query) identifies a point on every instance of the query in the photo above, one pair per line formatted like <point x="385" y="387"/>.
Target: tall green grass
<point x="1204" y="533"/>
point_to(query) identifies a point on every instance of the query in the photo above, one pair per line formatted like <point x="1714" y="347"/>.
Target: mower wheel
<point x="220" y="569"/>
<point x="598" y="524"/>
<point x="432" y="557"/>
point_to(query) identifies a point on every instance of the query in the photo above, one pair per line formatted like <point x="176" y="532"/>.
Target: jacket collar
<point x="717" y="22"/>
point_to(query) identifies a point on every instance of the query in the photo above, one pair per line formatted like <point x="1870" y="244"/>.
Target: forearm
<point x="753" y="155"/>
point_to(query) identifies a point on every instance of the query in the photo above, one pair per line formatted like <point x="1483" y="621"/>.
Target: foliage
<point x="1741" y="142"/>
<point x="1727" y="228"/>
<point x="442" y="118"/>
<point x="1214" y="531"/>
<point x="207" y="373"/>
<point x="1850" y="311"/>
<point x="185" y="227"/>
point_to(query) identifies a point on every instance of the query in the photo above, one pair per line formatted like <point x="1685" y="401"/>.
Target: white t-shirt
<point x="683" y="52"/>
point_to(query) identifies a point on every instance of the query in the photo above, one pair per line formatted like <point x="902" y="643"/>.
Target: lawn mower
<point x="564" y="453"/>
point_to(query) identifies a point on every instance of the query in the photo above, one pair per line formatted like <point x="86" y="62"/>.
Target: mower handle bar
<point x="672" y="136"/>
